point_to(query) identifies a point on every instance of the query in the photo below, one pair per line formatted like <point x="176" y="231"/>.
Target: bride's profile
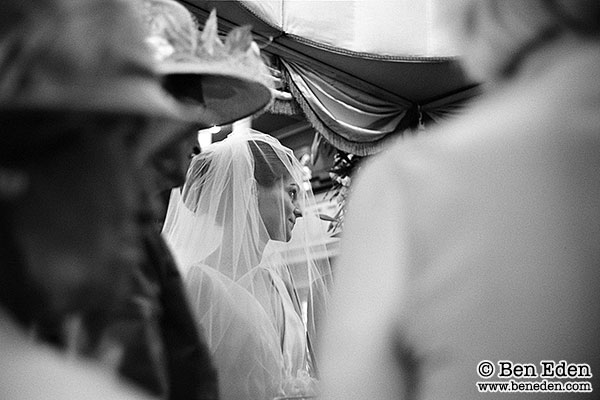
<point x="254" y="284"/>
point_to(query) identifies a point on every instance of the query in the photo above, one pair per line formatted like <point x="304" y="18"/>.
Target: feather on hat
<point x="227" y="79"/>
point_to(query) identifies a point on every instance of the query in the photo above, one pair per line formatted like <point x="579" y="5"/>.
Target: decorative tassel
<point x="421" y="125"/>
<point x="337" y="141"/>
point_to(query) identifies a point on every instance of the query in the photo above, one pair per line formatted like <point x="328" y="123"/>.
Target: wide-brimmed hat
<point x="78" y="57"/>
<point x="227" y="78"/>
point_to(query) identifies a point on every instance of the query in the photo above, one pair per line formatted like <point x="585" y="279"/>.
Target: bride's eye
<point x="293" y="192"/>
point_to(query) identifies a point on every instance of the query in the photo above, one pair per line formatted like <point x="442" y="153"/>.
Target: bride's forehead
<point x="284" y="184"/>
<point x="290" y="181"/>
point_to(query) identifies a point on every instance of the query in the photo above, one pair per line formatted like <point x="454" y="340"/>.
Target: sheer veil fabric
<point x="255" y="284"/>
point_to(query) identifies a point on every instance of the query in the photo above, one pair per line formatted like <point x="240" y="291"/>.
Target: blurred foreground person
<point x="31" y="371"/>
<point x="229" y="228"/>
<point x="76" y="84"/>
<point x="165" y="351"/>
<point x="481" y="239"/>
<point x="220" y="81"/>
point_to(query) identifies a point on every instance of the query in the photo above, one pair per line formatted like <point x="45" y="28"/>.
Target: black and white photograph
<point x="299" y="199"/>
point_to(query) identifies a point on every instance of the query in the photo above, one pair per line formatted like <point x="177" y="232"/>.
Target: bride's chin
<point x="286" y="239"/>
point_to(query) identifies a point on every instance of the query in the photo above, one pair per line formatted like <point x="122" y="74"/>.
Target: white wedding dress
<point x="256" y="358"/>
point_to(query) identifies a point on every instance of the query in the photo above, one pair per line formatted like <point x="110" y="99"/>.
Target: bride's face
<point x="277" y="205"/>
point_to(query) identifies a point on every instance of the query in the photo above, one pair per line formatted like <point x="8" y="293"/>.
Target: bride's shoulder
<point x="259" y="273"/>
<point x="206" y="277"/>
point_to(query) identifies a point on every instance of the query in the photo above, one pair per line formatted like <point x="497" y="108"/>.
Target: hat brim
<point x="31" y="130"/>
<point x="225" y="97"/>
<point x="129" y="97"/>
<point x="120" y="96"/>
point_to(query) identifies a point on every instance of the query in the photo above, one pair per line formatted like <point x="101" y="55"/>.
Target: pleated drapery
<point x="363" y="73"/>
<point x="355" y="121"/>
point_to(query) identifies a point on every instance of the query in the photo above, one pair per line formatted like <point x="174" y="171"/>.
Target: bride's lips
<point x="292" y="221"/>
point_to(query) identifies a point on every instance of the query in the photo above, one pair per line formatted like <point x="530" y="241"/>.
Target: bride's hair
<point x="196" y="174"/>
<point x="268" y="166"/>
<point x="268" y="169"/>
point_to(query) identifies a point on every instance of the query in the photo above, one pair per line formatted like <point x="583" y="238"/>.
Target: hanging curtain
<point x="348" y="118"/>
<point x="355" y="121"/>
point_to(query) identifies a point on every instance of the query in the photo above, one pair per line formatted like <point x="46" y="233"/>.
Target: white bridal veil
<point x="256" y="299"/>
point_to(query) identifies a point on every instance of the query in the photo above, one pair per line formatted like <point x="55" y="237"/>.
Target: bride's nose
<point x="297" y="212"/>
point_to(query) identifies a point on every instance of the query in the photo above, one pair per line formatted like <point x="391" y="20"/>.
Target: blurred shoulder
<point x="34" y="371"/>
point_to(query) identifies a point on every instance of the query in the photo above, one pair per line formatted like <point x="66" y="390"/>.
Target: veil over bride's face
<point x="240" y="194"/>
<point x="278" y="207"/>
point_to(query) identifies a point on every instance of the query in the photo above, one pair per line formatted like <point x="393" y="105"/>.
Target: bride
<point x="254" y="286"/>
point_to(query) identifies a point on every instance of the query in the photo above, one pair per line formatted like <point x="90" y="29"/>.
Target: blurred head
<point x="277" y="192"/>
<point x="169" y="165"/>
<point x="494" y="35"/>
<point x="76" y="84"/>
<point x="71" y="224"/>
<point x="219" y="83"/>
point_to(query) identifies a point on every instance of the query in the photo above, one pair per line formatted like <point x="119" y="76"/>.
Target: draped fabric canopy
<point x="363" y="72"/>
